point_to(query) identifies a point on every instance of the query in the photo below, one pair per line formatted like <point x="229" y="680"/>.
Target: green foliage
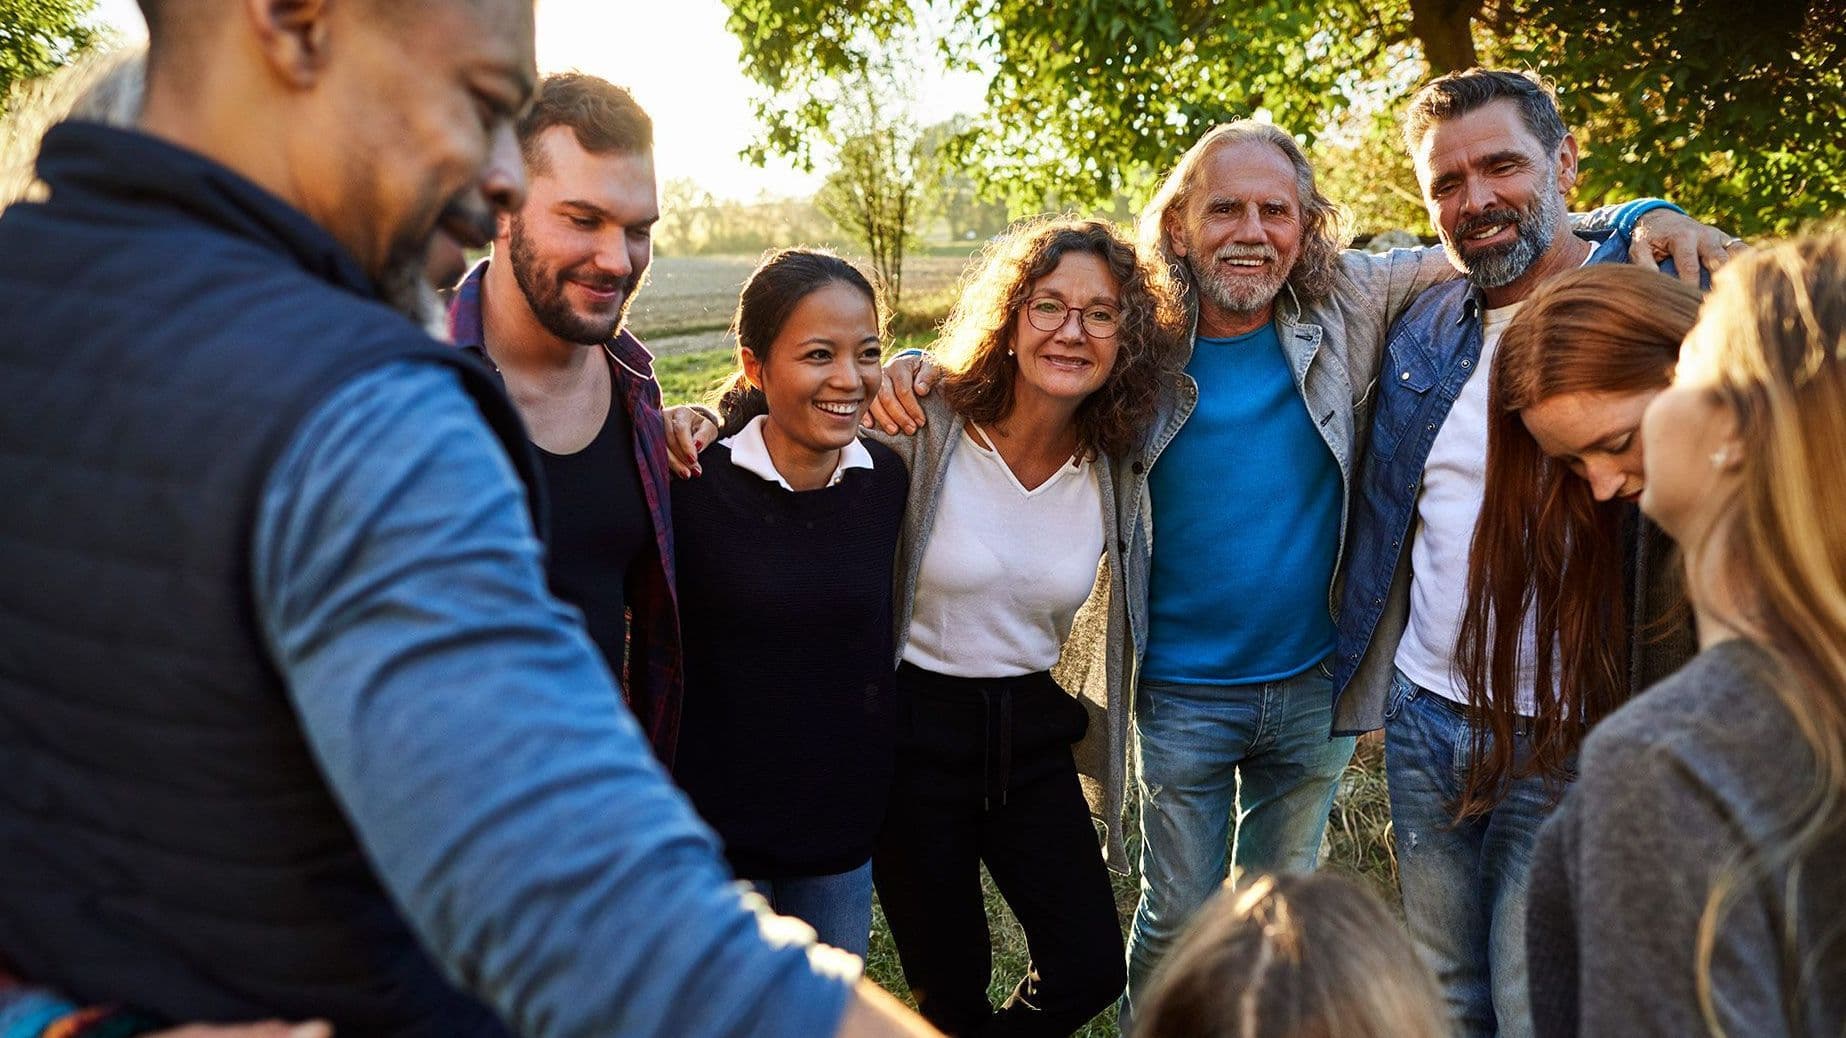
<point x="1738" y="115"/>
<point x="950" y="195"/>
<point x="1735" y="115"/>
<point x="880" y="161"/>
<point x="800" y="50"/>
<point x="37" y="36"/>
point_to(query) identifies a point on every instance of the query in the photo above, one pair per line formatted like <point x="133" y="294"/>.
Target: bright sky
<point x="682" y="65"/>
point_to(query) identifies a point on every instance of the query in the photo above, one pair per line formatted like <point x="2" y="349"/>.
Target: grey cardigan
<point x="1097" y="657"/>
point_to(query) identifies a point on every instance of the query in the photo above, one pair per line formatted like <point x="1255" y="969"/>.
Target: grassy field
<point x="1358" y="834"/>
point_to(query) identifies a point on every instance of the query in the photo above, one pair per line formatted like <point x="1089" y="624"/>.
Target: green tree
<point x="880" y="163"/>
<point x="872" y="195"/>
<point x="1737" y="115"/>
<point x="1087" y="99"/>
<point x="951" y="194"/>
<point x="37" y="36"/>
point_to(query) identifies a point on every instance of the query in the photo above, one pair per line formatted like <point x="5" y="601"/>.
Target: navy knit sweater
<point x="787" y="740"/>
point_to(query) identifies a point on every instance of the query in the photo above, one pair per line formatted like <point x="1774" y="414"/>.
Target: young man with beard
<point x="547" y="311"/>
<point x="1496" y="165"/>
<point x="291" y="725"/>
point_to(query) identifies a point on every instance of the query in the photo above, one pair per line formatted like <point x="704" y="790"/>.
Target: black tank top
<point x="599" y="527"/>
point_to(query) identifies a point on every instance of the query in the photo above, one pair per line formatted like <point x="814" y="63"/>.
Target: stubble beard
<point x="544" y="292"/>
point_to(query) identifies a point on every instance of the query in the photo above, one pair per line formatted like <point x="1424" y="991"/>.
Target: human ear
<point x="293" y="36"/>
<point x="1567" y="163"/>
<point x="1175" y="240"/>
<point x="753" y="368"/>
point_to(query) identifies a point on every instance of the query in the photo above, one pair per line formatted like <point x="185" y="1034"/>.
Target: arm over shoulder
<point x="475" y="738"/>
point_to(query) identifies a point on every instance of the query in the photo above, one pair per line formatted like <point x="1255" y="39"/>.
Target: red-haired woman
<point x="1561" y="559"/>
<point x="1561" y="550"/>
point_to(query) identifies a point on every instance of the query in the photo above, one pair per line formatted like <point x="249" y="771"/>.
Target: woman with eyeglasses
<point x="1009" y="564"/>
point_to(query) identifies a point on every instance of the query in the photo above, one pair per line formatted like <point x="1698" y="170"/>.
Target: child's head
<point x="1293" y="956"/>
<point x="808" y="348"/>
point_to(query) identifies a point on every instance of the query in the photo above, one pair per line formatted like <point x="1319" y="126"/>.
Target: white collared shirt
<point x="750" y="453"/>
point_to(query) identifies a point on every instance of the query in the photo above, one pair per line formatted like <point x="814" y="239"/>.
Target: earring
<point x="1720" y="457"/>
<point x="1009" y="353"/>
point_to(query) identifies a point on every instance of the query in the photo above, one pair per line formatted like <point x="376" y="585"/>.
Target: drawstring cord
<point x="996" y="743"/>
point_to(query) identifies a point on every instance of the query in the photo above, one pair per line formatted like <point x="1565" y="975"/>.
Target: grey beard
<point x="1503" y="266"/>
<point x="403" y="288"/>
<point x="1506" y="265"/>
<point x="1240" y="299"/>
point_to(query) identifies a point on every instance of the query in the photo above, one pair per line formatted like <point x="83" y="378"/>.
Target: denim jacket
<point x="1431" y="353"/>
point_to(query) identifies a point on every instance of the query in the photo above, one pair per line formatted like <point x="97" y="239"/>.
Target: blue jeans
<point x="1464" y="884"/>
<point x="838" y="907"/>
<point x="1262" y="750"/>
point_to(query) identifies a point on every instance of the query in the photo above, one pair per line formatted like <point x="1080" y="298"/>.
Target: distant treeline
<point x="693" y="223"/>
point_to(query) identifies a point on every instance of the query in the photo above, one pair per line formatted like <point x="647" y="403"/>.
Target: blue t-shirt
<point x="1246" y="506"/>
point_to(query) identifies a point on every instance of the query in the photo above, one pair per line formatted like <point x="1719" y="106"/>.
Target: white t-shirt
<point x="1006" y="568"/>
<point x="1454" y="480"/>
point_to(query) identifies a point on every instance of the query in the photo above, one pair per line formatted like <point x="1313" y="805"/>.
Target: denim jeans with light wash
<point x="1262" y="750"/>
<point x="838" y="907"/>
<point x="1464" y="884"/>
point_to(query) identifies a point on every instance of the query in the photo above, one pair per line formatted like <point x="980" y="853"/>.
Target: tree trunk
<point x="1445" y="28"/>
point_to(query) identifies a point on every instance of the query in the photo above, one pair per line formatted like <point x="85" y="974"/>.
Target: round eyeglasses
<point x="1048" y="314"/>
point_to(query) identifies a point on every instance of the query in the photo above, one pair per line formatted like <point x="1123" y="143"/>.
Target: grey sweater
<point x="1674" y="786"/>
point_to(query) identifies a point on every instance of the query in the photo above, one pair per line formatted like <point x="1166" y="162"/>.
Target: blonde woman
<point x="1694" y="880"/>
<point x="1293" y="956"/>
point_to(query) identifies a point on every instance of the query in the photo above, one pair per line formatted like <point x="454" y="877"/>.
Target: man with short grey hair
<point x="1496" y="165"/>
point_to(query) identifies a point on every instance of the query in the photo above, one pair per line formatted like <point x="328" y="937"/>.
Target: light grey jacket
<point x="1334" y="346"/>
<point x="1096" y="656"/>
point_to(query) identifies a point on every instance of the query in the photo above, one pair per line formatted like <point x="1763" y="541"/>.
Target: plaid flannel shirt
<point x="653" y="675"/>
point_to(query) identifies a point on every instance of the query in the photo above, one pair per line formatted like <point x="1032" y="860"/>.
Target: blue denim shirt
<point x="473" y="735"/>
<point x="1430" y="354"/>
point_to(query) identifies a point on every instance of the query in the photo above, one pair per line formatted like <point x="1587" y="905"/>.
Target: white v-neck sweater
<point x="1005" y="569"/>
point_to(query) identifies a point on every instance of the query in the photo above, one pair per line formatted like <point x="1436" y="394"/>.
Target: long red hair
<point x="1544" y="546"/>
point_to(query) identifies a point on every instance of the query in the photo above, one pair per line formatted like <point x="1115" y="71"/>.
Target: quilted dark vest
<point x="166" y="840"/>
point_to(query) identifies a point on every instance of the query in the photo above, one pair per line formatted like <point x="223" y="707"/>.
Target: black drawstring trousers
<point x="985" y="775"/>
